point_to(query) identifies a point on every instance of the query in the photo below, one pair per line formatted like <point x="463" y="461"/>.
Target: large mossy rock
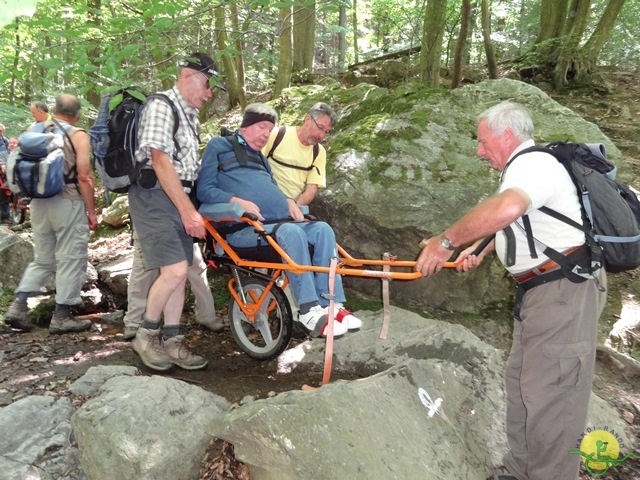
<point x="402" y="166"/>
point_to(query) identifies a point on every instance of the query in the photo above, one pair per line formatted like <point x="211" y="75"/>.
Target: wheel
<point x="18" y="214"/>
<point x="269" y="336"/>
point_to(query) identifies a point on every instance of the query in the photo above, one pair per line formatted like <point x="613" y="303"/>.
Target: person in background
<point x="222" y="180"/>
<point x="140" y="281"/>
<point x="163" y="212"/>
<point x="61" y="226"/>
<point x="40" y="112"/>
<point x="5" y="208"/>
<point x="299" y="161"/>
<point x="550" y="368"/>
<point x="4" y="144"/>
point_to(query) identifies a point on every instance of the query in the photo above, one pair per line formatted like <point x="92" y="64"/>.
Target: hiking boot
<point x="129" y="332"/>
<point x="215" y="325"/>
<point x="347" y="318"/>
<point x="180" y="356"/>
<point x="501" y="473"/>
<point x="149" y="346"/>
<point x="316" y="321"/>
<point x="17" y="317"/>
<point x="63" y="322"/>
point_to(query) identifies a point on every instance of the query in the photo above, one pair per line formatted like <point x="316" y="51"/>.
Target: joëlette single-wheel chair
<point x="18" y="205"/>
<point x="260" y="313"/>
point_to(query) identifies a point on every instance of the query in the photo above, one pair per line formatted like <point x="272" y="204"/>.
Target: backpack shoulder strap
<point x="176" y="116"/>
<point x="241" y="154"/>
<point x="277" y="141"/>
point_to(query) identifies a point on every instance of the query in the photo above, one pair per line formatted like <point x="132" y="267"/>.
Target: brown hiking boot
<point x="215" y="326"/>
<point x="129" y="332"/>
<point x="149" y="346"/>
<point x="180" y="356"/>
<point x="63" y="322"/>
<point x="17" y="317"/>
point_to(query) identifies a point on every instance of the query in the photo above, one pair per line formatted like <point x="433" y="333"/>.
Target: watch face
<point x="446" y="243"/>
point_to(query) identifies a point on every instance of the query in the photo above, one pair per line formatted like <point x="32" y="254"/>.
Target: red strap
<point x="386" y="309"/>
<point x="328" y="354"/>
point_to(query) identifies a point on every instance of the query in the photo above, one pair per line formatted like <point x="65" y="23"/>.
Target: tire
<point x="18" y="215"/>
<point x="256" y="340"/>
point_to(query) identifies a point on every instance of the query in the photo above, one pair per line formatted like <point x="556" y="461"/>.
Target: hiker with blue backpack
<point x="559" y="300"/>
<point x="162" y="211"/>
<point x="60" y="221"/>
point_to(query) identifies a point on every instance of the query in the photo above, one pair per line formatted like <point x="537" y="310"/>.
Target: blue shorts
<point x="163" y="239"/>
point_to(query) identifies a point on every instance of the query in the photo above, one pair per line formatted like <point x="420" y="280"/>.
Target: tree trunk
<point x="285" y="55"/>
<point x="238" y="56"/>
<point x="234" y="89"/>
<point x="354" y="21"/>
<point x="486" y="35"/>
<point x="588" y="57"/>
<point x="342" y="39"/>
<point x="304" y="34"/>
<point x="460" y="44"/>
<point x="433" y="32"/>
<point x="568" y="51"/>
<point x="553" y="14"/>
<point x="16" y="60"/>
<point x="93" y="52"/>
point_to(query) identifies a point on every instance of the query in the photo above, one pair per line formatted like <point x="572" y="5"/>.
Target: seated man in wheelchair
<point x="248" y="181"/>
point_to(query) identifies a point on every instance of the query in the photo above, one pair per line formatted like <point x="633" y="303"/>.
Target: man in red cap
<point x="162" y="211"/>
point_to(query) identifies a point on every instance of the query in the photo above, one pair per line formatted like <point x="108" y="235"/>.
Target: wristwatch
<point x="446" y="243"/>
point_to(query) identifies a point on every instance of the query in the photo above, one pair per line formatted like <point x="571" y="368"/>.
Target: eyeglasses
<point x="320" y="127"/>
<point x="211" y="82"/>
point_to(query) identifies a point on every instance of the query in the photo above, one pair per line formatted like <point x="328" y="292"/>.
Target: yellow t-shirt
<point x="292" y="181"/>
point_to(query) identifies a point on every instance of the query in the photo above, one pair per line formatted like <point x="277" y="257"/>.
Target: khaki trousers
<point x="140" y="281"/>
<point x="548" y="378"/>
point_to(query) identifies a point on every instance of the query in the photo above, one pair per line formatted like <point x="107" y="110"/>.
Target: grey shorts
<point x="159" y="228"/>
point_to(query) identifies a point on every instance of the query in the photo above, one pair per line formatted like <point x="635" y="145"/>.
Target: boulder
<point x="117" y="214"/>
<point x="145" y="428"/>
<point x="402" y="166"/>
<point x="15" y="254"/>
<point x="36" y="440"/>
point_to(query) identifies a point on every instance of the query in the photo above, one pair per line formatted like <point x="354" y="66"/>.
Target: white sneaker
<point x="347" y="318"/>
<point x="316" y="322"/>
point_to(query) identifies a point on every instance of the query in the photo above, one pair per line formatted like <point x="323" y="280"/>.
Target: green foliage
<point x="15" y="119"/>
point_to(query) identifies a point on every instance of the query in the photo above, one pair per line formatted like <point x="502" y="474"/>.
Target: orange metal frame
<point x="348" y="265"/>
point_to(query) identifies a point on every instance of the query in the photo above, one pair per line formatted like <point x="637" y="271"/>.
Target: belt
<point x="540" y="269"/>
<point x="187" y="183"/>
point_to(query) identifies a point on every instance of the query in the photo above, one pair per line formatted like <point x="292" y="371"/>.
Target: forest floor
<point x="39" y="363"/>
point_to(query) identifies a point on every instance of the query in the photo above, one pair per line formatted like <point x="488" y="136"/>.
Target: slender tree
<point x="94" y="8"/>
<point x="486" y="36"/>
<point x="342" y="38"/>
<point x="235" y="89"/>
<point x="460" y="44"/>
<point x="433" y="32"/>
<point x="285" y="56"/>
<point x="354" y="23"/>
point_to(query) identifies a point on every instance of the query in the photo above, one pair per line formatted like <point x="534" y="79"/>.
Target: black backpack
<point x="610" y="210"/>
<point x="278" y="140"/>
<point x="114" y="137"/>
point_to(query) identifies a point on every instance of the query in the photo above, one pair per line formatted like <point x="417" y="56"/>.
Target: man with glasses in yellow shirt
<point x="297" y="159"/>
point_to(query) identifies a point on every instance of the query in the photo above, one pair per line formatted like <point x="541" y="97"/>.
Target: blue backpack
<point x="35" y="168"/>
